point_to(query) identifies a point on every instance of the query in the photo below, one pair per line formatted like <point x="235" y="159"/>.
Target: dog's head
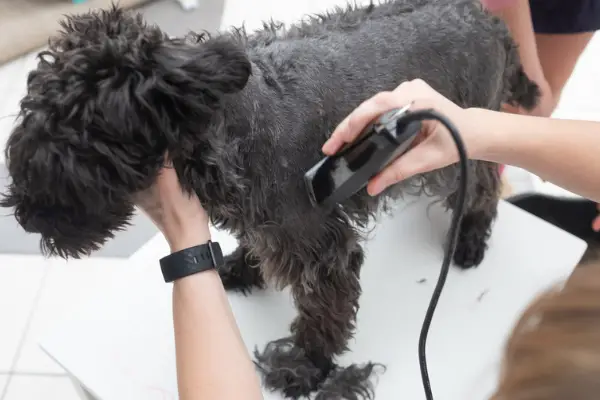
<point x="105" y="102"/>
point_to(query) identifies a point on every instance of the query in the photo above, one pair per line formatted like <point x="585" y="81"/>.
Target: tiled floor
<point x="26" y="387"/>
<point x="55" y="294"/>
<point x="33" y="291"/>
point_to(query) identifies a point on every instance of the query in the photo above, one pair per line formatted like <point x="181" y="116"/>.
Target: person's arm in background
<point x="562" y="151"/>
<point x="516" y="14"/>
<point x="212" y="360"/>
<point x="548" y="58"/>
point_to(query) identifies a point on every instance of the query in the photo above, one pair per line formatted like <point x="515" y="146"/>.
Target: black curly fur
<point x="241" y="272"/>
<point x="351" y="383"/>
<point x="286" y="367"/>
<point x="243" y="116"/>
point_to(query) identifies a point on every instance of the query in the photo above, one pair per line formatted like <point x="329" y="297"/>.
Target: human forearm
<point x="564" y="152"/>
<point x="212" y="360"/>
<point x="208" y="342"/>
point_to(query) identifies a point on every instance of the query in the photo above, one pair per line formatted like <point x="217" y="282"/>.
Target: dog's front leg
<point x="325" y="323"/>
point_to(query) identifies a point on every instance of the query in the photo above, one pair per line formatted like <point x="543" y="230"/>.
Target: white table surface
<point x="119" y="344"/>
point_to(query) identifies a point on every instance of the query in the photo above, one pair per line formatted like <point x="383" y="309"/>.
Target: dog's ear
<point x="207" y="67"/>
<point x="194" y="75"/>
<point x="183" y="80"/>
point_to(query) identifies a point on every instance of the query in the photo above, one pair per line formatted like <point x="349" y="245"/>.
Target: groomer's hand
<point x="596" y="223"/>
<point x="433" y="148"/>
<point x="179" y="216"/>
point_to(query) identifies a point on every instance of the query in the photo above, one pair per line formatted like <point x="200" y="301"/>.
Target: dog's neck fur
<point x="229" y="138"/>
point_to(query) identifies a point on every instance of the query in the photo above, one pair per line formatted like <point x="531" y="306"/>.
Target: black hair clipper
<point x="336" y="178"/>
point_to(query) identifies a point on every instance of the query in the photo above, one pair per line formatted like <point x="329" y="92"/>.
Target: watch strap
<point x="191" y="261"/>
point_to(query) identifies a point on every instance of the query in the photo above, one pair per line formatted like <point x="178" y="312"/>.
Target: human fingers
<point x="417" y="93"/>
<point x="357" y="120"/>
<point x="424" y="157"/>
<point x="165" y="193"/>
<point x="365" y="113"/>
<point x="167" y="179"/>
<point x="167" y="176"/>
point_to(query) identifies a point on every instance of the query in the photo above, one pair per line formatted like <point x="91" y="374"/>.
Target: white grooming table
<point x="118" y="345"/>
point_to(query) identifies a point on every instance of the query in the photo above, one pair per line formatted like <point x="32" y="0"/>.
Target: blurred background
<point x="34" y="290"/>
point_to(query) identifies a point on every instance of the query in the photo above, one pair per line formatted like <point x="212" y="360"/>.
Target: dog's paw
<point x="286" y="368"/>
<point x="472" y="240"/>
<point x="238" y="276"/>
<point x="470" y="252"/>
<point x="354" y="382"/>
<point x="234" y="282"/>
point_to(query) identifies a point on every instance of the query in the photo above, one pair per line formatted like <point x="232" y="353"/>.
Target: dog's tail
<point x="522" y="91"/>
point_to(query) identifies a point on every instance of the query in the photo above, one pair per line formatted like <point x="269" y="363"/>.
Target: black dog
<point x="243" y="117"/>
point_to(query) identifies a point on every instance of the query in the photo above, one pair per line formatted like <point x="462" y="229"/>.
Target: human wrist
<point x="479" y="137"/>
<point x="186" y="238"/>
<point x="506" y="137"/>
<point x="492" y="132"/>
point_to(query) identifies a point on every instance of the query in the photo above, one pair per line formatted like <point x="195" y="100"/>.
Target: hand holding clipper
<point x="336" y="178"/>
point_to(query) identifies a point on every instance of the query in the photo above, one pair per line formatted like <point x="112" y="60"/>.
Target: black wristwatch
<point x="191" y="261"/>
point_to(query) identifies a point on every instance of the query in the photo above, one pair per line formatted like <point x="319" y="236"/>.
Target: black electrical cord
<point x="457" y="216"/>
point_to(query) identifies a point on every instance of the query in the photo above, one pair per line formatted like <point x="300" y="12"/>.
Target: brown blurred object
<point x="25" y="25"/>
<point x="554" y="350"/>
<point x="592" y="255"/>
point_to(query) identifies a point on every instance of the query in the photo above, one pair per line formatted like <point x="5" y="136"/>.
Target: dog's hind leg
<point x="241" y="272"/>
<point x="476" y="226"/>
<point x="326" y="296"/>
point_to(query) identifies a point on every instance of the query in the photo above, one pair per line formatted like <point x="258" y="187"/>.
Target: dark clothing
<point x="565" y="16"/>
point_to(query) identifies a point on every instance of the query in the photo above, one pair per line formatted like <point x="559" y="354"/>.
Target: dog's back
<point x="112" y="94"/>
<point x="308" y="77"/>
